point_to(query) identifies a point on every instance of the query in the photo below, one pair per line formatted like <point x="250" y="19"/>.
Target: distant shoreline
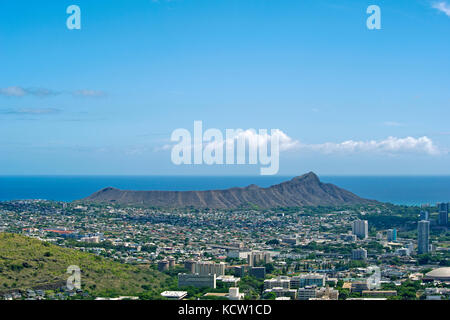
<point x="401" y="190"/>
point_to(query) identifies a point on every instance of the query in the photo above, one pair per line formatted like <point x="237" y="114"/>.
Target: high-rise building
<point x="443" y="213"/>
<point x="359" y="254"/>
<point x="163" y="265"/>
<point x="239" y="271"/>
<point x="424" y="215"/>
<point x="392" y="235"/>
<point x="171" y="262"/>
<point x="423" y="239"/>
<point x="410" y="248"/>
<point x="209" y="267"/>
<point x="258" y="272"/>
<point x="189" y="265"/>
<point x="360" y="228"/>
<point x="258" y="257"/>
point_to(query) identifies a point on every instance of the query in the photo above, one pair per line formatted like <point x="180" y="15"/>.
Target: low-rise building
<point x="174" y="295"/>
<point x="359" y="286"/>
<point x="278" y="282"/>
<point x="196" y="280"/>
<point x="229" y="280"/>
<point x="282" y="292"/>
<point x="379" y="293"/>
<point x="309" y="279"/>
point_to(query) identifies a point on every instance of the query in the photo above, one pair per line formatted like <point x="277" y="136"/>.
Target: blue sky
<point x="105" y="99"/>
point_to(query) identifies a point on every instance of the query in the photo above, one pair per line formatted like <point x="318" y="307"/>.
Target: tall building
<point x="257" y="257"/>
<point x="360" y="228"/>
<point x="258" y="272"/>
<point x="410" y="248"/>
<point x="189" y="265"/>
<point x="171" y="262"/>
<point x="392" y="235"/>
<point x="163" y="265"/>
<point x="423" y="239"/>
<point x="359" y="254"/>
<point x="239" y="271"/>
<point x="208" y="267"/>
<point x="443" y="213"/>
<point x="424" y="215"/>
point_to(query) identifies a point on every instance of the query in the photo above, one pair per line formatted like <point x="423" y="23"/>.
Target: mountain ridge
<point x="304" y="190"/>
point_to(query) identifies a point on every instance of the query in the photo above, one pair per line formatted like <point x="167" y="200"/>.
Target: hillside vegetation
<point x="27" y="263"/>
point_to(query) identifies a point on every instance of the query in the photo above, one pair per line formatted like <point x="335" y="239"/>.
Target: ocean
<point x="404" y="190"/>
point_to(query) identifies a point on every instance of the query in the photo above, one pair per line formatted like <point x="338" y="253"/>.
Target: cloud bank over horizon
<point x="18" y="92"/>
<point x="391" y="145"/>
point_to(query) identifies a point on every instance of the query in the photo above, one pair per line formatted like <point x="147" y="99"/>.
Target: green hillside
<point x="29" y="263"/>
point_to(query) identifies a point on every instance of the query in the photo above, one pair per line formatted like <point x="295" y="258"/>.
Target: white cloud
<point x="393" y="124"/>
<point x="31" y="111"/>
<point x="251" y="137"/>
<point x="443" y="7"/>
<point x="16" y="91"/>
<point x="165" y="147"/>
<point x="286" y="142"/>
<point x="88" y="93"/>
<point x="391" y="145"/>
<point x="13" y="92"/>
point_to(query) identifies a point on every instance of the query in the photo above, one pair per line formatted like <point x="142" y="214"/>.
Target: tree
<point x="273" y="242"/>
<point x="270" y="296"/>
<point x="269" y="267"/>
